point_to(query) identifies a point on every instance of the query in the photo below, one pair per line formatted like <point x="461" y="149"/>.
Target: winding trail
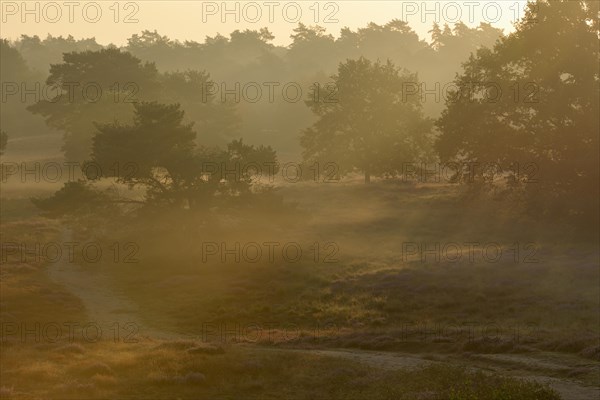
<point x="105" y="307"/>
<point x="538" y="367"/>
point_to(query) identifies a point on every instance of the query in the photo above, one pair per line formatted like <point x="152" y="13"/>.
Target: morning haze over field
<point x="299" y="200"/>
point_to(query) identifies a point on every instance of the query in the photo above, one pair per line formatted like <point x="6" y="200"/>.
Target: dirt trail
<point x="105" y="307"/>
<point x="537" y="367"/>
<point x="544" y="367"/>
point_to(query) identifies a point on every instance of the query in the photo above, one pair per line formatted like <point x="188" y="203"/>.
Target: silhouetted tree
<point x="372" y="127"/>
<point x="18" y="91"/>
<point x="12" y="64"/>
<point x="158" y="153"/>
<point x="311" y="50"/>
<point x="217" y="122"/>
<point x="40" y="54"/>
<point x="532" y="102"/>
<point x="94" y="86"/>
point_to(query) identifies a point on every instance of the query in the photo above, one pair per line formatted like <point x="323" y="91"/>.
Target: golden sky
<point x="110" y="21"/>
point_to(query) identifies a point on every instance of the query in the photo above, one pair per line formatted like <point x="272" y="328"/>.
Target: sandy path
<point x="568" y="389"/>
<point x="104" y="306"/>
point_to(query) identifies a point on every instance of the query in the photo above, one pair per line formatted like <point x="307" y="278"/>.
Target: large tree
<point x="41" y="53"/>
<point x="217" y="122"/>
<point x="532" y="102"/>
<point x="94" y="86"/>
<point x="367" y="121"/>
<point x="18" y="87"/>
<point x="100" y="86"/>
<point x="158" y="153"/>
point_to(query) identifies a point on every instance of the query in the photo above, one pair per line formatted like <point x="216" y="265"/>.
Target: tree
<point x="153" y="47"/>
<point x="101" y="86"/>
<point x="12" y="64"/>
<point x="372" y="127"/>
<point x="217" y="121"/>
<point x="311" y="49"/>
<point x="94" y="86"/>
<point x="18" y="83"/>
<point x="40" y="54"/>
<point x="512" y="110"/>
<point x="158" y="153"/>
<point x="153" y="152"/>
<point x="437" y="37"/>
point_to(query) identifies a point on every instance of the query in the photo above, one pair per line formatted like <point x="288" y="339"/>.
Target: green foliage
<point x="17" y="77"/>
<point x="158" y="152"/>
<point x="459" y="42"/>
<point x="40" y="54"/>
<point x="512" y="109"/>
<point x="116" y="79"/>
<point x="217" y="122"/>
<point x="371" y="126"/>
<point x="12" y="65"/>
<point x="99" y="86"/>
<point x="243" y="56"/>
<point x="192" y="369"/>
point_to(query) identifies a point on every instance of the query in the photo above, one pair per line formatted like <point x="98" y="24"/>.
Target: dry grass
<point x="27" y="295"/>
<point x="162" y="370"/>
<point x="360" y="302"/>
<point x="371" y="293"/>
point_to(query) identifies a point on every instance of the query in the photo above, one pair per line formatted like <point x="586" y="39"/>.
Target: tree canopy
<point x="371" y="125"/>
<point x="530" y="116"/>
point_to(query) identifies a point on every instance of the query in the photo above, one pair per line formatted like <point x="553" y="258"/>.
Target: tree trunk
<point x="367" y="176"/>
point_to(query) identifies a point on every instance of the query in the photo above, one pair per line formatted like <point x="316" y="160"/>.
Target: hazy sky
<point x="110" y="21"/>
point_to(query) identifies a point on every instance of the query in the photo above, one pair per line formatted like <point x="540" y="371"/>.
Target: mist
<point x="367" y="204"/>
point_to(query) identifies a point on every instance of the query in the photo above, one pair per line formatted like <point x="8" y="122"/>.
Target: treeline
<point x="266" y="84"/>
<point x="526" y="108"/>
